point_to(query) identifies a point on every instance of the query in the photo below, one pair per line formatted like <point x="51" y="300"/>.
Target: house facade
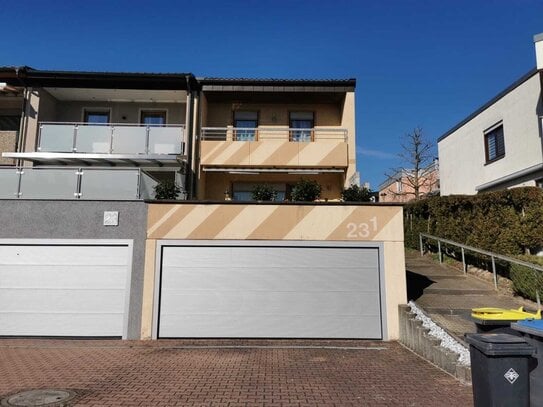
<point x="401" y="186"/>
<point x="498" y="146"/>
<point x="86" y="250"/>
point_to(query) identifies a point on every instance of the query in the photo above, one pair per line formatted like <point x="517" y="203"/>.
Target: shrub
<point x="508" y="222"/>
<point x="356" y="194"/>
<point x="264" y="192"/>
<point x="167" y="190"/>
<point x="306" y="191"/>
<point x="527" y="281"/>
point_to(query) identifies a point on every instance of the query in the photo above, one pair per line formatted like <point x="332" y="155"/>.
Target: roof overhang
<point x="256" y="171"/>
<point x="83" y="159"/>
<point x="118" y="95"/>
<point x="517" y="176"/>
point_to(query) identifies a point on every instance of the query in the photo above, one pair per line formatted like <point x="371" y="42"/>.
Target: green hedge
<point x="527" y="281"/>
<point x="509" y="222"/>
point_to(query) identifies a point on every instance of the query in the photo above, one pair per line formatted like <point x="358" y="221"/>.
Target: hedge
<point x="509" y="222"/>
<point x="527" y="281"/>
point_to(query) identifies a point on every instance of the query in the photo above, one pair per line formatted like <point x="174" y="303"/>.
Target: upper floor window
<point x="303" y="121"/>
<point x="153" y="117"/>
<point x="245" y="124"/>
<point x="96" y="116"/>
<point x="494" y="144"/>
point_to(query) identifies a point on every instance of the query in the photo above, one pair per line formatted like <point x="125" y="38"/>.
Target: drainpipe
<point x="190" y="127"/>
<point x="21" y="136"/>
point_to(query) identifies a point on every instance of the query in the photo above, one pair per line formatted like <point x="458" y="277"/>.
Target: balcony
<point x="274" y="147"/>
<point x="76" y="183"/>
<point x="91" y="144"/>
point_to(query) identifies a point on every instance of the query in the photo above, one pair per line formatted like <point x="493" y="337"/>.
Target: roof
<point x="500" y="95"/>
<point x="28" y="76"/>
<point x="277" y="85"/>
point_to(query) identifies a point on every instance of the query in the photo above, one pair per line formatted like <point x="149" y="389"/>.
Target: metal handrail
<point x="229" y="133"/>
<point x="464" y="247"/>
<point x="116" y="124"/>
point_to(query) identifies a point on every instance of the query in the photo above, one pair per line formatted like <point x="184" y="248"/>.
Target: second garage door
<point x="273" y="292"/>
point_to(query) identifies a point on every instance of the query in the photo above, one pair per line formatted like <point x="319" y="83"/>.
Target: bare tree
<point x="417" y="174"/>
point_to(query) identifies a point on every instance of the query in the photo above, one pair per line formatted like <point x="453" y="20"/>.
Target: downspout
<point x="190" y="126"/>
<point x="21" y="137"/>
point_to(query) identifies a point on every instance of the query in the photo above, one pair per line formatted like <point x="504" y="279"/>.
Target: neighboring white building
<point x="500" y="144"/>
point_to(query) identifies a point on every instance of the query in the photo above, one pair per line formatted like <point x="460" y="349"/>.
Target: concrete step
<point x="457" y="291"/>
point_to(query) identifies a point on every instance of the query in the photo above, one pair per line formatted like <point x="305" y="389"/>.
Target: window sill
<point x="494" y="160"/>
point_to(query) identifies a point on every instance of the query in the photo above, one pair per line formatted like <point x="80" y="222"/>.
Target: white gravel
<point x="447" y="341"/>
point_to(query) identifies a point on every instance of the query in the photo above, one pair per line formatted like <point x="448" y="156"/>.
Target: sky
<point x="417" y="63"/>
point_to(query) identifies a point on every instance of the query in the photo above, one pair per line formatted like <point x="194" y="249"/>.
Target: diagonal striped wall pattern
<point x="275" y="222"/>
<point x="275" y="153"/>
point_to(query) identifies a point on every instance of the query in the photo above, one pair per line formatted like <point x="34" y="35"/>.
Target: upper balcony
<point x="135" y="144"/>
<point x="274" y="147"/>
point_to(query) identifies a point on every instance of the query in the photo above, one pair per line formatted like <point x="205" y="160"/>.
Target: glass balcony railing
<point x="273" y="133"/>
<point x="110" y="138"/>
<point x="76" y="183"/>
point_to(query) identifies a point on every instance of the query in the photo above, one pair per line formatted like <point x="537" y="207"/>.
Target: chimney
<point x="538" y="41"/>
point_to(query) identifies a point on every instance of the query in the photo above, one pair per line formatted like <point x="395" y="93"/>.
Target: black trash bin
<point x="500" y="369"/>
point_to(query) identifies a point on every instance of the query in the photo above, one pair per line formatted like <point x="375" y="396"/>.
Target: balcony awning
<point x="300" y="171"/>
<point x="84" y="159"/>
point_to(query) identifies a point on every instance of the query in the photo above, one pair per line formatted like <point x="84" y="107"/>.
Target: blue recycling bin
<point x="532" y="329"/>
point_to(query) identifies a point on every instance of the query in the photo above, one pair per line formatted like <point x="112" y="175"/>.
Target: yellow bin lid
<point x="502" y="314"/>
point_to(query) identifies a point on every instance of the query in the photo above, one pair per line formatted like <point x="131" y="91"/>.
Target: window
<point x="96" y="117"/>
<point x="245" y="124"/>
<point x="9" y="123"/>
<point x="494" y="144"/>
<point x="303" y="121"/>
<point x="243" y="191"/>
<point x="399" y="186"/>
<point x="153" y="117"/>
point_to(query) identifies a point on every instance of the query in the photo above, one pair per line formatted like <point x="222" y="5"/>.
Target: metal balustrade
<point x="112" y="138"/>
<point x="76" y="183"/>
<point x="463" y="248"/>
<point x="272" y="133"/>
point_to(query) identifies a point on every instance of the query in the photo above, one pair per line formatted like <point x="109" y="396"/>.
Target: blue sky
<point x="417" y="63"/>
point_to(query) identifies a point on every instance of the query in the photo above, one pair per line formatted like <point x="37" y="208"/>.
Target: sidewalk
<point x="448" y="295"/>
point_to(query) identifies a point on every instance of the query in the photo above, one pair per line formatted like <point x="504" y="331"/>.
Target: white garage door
<point x="281" y="292"/>
<point x="63" y="289"/>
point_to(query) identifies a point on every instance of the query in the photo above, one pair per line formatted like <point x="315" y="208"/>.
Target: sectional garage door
<point x="273" y="292"/>
<point x="67" y="289"/>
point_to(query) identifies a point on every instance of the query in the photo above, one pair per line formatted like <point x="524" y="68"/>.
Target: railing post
<point x="421" y="246"/>
<point x="494" y="272"/>
<point x="147" y="132"/>
<point x="439" y="251"/>
<point x="464" y="261"/>
<point x="74" y="139"/>
<point x="111" y="139"/>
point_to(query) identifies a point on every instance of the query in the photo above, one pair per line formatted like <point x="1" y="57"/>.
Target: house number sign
<point x="364" y="229"/>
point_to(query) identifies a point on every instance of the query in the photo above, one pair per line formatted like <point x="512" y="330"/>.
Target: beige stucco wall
<point x="348" y="122"/>
<point x="121" y="112"/>
<point x="462" y="154"/>
<point x="7" y="145"/>
<point x="282" y="222"/>
<point x="272" y="114"/>
<point x="217" y="183"/>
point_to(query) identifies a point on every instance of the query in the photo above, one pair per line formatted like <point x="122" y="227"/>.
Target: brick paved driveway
<point x="198" y="373"/>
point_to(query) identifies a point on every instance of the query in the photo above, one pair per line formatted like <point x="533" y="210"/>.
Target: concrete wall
<point x="321" y="222"/>
<point x="82" y="220"/>
<point x="462" y="154"/>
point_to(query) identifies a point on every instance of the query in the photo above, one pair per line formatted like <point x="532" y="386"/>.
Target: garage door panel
<point x="267" y="277"/>
<point x="255" y="291"/>
<point x="248" y="303"/>
<point x="63" y="255"/>
<point x="63" y="289"/>
<point x="89" y="276"/>
<point x="282" y="257"/>
<point x="54" y="324"/>
<point x="211" y="326"/>
<point x="61" y="301"/>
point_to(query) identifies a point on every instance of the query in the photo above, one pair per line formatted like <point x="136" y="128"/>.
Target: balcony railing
<point x="272" y="133"/>
<point x="56" y="137"/>
<point x="76" y="183"/>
